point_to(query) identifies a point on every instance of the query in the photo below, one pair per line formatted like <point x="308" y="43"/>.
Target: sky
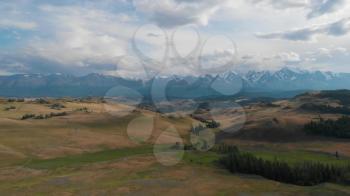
<point x="142" y="38"/>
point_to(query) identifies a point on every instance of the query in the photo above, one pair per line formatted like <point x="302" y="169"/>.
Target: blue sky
<point x="80" y="37"/>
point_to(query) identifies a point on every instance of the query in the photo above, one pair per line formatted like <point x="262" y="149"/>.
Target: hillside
<point x="283" y="120"/>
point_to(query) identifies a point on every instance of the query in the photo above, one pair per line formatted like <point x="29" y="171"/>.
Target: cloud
<point x="81" y="37"/>
<point x="13" y="16"/>
<point x="319" y="8"/>
<point x="153" y="35"/>
<point x="21" y="63"/>
<point x="330" y="59"/>
<point x="327" y="59"/>
<point x="326" y="53"/>
<point x="269" y="62"/>
<point x="338" y="28"/>
<point x="70" y="39"/>
<point x="288" y="58"/>
<point x="172" y="13"/>
<point x="23" y="25"/>
<point x="315" y="8"/>
<point x="282" y="4"/>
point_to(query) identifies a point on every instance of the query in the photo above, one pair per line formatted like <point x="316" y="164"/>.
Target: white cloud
<point x="172" y="13"/>
<point x="82" y="37"/>
<point x="288" y="58"/>
<point x="338" y="28"/>
<point x="326" y="53"/>
<point x="92" y="36"/>
<point x="268" y="62"/>
<point x="328" y="59"/>
<point x="315" y="8"/>
<point x="24" y="25"/>
<point x="319" y="8"/>
<point x="282" y="4"/>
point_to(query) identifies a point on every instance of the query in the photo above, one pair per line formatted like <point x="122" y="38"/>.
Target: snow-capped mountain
<point x="228" y="83"/>
<point x="288" y="79"/>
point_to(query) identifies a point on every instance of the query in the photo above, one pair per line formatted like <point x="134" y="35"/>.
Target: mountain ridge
<point x="226" y="84"/>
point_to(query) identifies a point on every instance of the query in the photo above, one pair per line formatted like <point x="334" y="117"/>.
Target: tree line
<point x="304" y="174"/>
<point x="339" y="128"/>
<point x="325" y="108"/>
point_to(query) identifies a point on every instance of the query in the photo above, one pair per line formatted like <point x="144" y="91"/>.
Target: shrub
<point x="212" y="124"/>
<point x="20" y="100"/>
<point x="27" y="116"/>
<point x="84" y="109"/>
<point x="42" y="101"/>
<point x="42" y="116"/>
<point x="10" y="108"/>
<point x="58" y="114"/>
<point x="11" y="100"/>
<point x="57" y="106"/>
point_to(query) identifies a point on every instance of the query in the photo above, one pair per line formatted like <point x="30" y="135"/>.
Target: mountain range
<point x="282" y="83"/>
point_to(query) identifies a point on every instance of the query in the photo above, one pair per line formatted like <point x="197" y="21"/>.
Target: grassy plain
<point x="90" y="153"/>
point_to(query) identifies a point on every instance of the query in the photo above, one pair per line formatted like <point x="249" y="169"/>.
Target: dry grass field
<point x="89" y="151"/>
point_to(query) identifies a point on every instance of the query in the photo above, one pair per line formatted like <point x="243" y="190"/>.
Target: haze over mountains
<point x="283" y="83"/>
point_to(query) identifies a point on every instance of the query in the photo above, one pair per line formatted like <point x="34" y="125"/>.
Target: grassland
<point x="90" y="153"/>
<point x="126" y="171"/>
<point x="86" y="158"/>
